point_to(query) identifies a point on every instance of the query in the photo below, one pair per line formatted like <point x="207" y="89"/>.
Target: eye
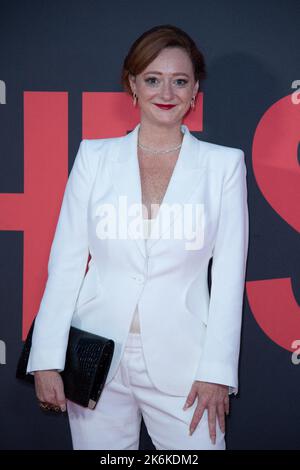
<point x="182" y="80"/>
<point x="150" y="80"/>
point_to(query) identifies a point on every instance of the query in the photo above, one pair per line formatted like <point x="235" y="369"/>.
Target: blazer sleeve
<point x="220" y="355"/>
<point x="66" y="269"/>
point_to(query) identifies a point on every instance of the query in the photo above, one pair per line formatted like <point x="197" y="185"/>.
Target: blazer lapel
<point x="186" y="176"/>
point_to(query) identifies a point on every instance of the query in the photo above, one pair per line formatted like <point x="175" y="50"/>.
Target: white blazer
<point x="186" y="333"/>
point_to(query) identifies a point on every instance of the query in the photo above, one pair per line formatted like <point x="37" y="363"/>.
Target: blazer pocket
<point x="196" y="301"/>
<point x="200" y="315"/>
<point x="90" y="287"/>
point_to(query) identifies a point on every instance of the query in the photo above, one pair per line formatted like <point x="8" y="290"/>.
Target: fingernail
<point x="213" y="440"/>
<point x="63" y="408"/>
<point x="191" y="431"/>
<point x="185" y="406"/>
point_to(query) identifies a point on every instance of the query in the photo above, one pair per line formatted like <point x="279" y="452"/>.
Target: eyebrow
<point x="159" y="73"/>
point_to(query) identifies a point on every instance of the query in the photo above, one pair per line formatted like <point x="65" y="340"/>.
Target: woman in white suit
<point x="176" y="343"/>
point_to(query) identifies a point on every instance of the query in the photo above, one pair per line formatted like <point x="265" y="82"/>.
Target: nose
<point x="167" y="91"/>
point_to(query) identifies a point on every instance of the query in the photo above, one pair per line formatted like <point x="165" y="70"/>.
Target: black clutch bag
<point x="88" y="359"/>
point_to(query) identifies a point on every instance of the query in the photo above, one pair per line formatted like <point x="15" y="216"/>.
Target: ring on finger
<point x="49" y="406"/>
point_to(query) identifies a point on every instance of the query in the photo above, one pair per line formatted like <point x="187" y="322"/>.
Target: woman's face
<point x="169" y="79"/>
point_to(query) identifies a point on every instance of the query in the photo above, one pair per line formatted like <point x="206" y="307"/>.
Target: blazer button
<point x="139" y="278"/>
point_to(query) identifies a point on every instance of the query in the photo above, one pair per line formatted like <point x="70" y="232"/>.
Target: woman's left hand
<point x="215" y="398"/>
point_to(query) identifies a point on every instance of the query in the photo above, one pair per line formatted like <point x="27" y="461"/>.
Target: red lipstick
<point x="165" y="106"/>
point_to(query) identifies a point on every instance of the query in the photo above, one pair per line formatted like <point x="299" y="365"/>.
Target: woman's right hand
<point x="49" y="388"/>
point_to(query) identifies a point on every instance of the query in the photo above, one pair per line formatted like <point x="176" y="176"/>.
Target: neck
<point x="159" y="137"/>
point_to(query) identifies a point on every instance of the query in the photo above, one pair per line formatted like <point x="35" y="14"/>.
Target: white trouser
<point x="129" y="396"/>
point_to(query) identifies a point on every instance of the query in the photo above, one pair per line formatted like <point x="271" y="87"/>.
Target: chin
<point x="165" y="118"/>
<point x="161" y="119"/>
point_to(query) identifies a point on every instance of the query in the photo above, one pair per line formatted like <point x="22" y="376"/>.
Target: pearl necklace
<point x="159" y="151"/>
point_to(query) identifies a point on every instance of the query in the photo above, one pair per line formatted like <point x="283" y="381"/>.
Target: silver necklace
<point x="159" y="151"/>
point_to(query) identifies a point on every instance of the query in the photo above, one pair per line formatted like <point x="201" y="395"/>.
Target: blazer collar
<point x="188" y="171"/>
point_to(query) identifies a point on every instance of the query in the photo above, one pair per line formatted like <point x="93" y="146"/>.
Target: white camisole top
<point x="135" y="324"/>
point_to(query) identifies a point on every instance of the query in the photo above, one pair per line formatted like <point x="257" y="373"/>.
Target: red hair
<point x="149" y="45"/>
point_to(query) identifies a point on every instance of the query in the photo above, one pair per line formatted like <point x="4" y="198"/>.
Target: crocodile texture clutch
<point x="88" y="359"/>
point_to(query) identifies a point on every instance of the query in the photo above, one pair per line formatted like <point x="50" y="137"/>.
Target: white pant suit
<point x="187" y="333"/>
<point x="115" y="422"/>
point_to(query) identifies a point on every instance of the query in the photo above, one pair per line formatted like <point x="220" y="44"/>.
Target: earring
<point x="193" y="102"/>
<point x="134" y="99"/>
